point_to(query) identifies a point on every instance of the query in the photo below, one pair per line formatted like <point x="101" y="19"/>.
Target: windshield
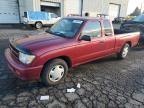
<point x="139" y="18"/>
<point x="66" y="27"/>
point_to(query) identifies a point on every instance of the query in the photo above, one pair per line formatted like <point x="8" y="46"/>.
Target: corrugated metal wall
<point x="95" y="7"/>
<point x="124" y="6"/>
<point x="9" y="12"/>
<point x="72" y="7"/>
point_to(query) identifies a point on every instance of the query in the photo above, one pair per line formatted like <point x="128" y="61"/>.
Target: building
<point x="113" y="8"/>
<point x="12" y="11"/>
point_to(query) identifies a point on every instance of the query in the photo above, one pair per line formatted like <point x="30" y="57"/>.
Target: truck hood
<point x="40" y="43"/>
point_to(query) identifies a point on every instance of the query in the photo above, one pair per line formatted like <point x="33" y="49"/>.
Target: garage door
<point x="114" y="10"/>
<point x="72" y="7"/>
<point x="53" y="7"/>
<point x="9" y="11"/>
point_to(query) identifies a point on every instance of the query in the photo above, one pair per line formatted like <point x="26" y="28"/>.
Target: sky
<point x="133" y="4"/>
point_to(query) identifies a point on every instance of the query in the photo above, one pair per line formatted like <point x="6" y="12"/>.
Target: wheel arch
<point x="129" y="42"/>
<point x="65" y="58"/>
<point x="38" y="22"/>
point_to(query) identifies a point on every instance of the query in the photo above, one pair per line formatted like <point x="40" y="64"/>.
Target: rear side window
<point x="107" y="28"/>
<point x="92" y="29"/>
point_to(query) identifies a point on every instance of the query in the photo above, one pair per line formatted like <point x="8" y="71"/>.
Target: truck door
<point x="109" y="37"/>
<point x="88" y="50"/>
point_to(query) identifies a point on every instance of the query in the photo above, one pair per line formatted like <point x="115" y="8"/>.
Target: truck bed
<point x="119" y="31"/>
<point x="126" y="36"/>
<point x="123" y="33"/>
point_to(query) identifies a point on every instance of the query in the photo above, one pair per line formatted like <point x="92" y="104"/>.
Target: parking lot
<point x="105" y="83"/>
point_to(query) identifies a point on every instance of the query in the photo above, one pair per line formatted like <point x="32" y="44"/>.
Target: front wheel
<point x="38" y="25"/>
<point x="124" y="51"/>
<point x="54" y="72"/>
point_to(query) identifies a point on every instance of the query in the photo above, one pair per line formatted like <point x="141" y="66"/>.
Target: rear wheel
<point x="38" y="25"/>
<point x="124" y="51"/>
<point x="54" y="72"/>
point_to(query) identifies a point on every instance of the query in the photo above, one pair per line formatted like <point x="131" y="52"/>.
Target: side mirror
<point x="85" y="38"/>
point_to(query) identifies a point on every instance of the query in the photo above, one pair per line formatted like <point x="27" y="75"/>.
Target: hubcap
<point x="125" y="51"/>
<point x="56" y="73"/>
<point x="38" y="25"/>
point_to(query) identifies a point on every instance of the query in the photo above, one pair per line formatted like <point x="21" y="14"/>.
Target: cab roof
<point x="86" y="18"/>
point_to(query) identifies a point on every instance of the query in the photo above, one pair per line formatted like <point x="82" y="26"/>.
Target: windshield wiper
<point x="56" y="33"/>
<point x="60" y="34"/>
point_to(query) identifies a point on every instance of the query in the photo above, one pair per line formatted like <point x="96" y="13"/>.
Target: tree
<point x="136" y="12"/>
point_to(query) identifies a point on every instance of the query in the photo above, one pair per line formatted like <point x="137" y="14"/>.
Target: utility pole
<point x="82" y="7"/>
<point x="142" y="8"/>
<point x="101" y="7"/>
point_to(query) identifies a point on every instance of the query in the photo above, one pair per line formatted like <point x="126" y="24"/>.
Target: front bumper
<point x="22" y="71"/>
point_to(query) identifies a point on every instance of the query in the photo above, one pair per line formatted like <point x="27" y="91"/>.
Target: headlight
<point x="25" y="58"/>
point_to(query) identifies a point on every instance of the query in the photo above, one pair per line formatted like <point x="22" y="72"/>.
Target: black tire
<point x="45" y="76"/>
<point x="121" y="54"/>
<point x="38" y="25"/>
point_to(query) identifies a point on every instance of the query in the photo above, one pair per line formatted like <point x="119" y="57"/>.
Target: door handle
<point x="101" y="41"/>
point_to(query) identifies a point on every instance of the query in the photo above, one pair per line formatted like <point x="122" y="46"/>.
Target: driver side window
<point x="92" y="29"/>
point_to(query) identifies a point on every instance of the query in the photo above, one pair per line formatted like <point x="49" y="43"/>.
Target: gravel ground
<point x="105" y="83"/>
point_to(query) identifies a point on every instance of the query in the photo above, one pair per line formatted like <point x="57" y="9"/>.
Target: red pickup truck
<point x="70" y="42"/>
